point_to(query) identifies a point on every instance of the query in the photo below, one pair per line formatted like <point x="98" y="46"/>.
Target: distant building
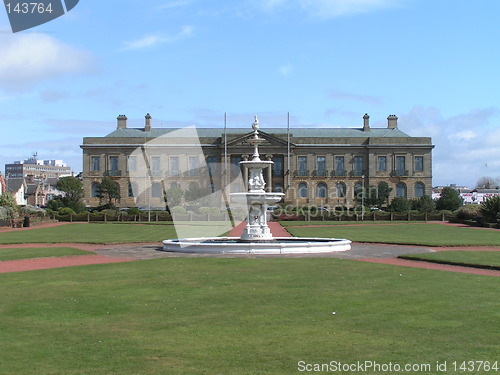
<point x="312" y="166"/>
<point x="17" y="187"/>
<point x="37" y="168"/>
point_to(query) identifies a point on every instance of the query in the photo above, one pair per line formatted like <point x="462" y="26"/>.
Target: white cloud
<point x="157" y="39"/>
<point x="31" y="58"/>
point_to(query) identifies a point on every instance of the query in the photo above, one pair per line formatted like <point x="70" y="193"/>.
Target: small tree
<point x="424" y="204"/>
<point x="490" y="209"/>
<point x="108" y="190"/>
<point x="73" y="189"/>
<point x="375" y="196"/>
<point x="450" y="200"/>
<point x="173" y="197"/>
<point x="400" y="204"/>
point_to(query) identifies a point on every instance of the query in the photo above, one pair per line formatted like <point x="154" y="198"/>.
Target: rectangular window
<point x="419" y="163"/>
<point x="132" y="163"/>
<point x="113" y="163"/>
<point x="155" y="166"/>
<point x="174" y="165"/>
<point x="381" y="163"/>
<point x="235" y="167"/>
<point x="278" y="166"/>
<point x="400" y="163"/>
<point x="301" y="165"/>
<point x="95" y="162"/>
<point x="358" y="165"/>
<point x="320" y="163"/>
<point x="212" y="165"/>
<point x="193" y="165"/>
<point x="339" y="165"/>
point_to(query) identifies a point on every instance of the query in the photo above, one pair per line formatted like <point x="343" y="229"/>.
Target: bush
<point x="6" y="213"/>
<point x="490" y="209"/>
<point x="134" y="211"/>
<point x="400" y="204"/>
<point x="450" y="200"/>
<point x="467" y="213"/>
<point x="209" y="210"/>
<point x="109" y="212"/>
<point x="178" y="210"/>
<point x="66" y="211"/>
<point x="33" y="211"/>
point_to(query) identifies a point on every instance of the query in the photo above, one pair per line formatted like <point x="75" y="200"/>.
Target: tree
<point x="73" y="193"/>
<point x="490" y="209"/>
<point x="450" y="200"/>
<point x="173" y="197"/>
<point x="424" y="204"/>
<point x="487" y="182"/>
<point x="400" y="204"/>
<point x="200" y="196"/>
<point x="375" y="196"/>
<point x="108" y="190"/>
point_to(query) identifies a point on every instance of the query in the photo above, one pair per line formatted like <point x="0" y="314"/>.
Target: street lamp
<point x="363" y="199"/>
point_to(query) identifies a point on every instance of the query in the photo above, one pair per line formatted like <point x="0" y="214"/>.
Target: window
<point x="419" y="163"/>
<point x="132" y="163"/>
<point x="340" y="190"/>
<point x="193" y="165"/>
<point x="95" y="190"/>
<point x="212" y="165"/>
<point x="175" y="185"/>
<point x="419" y="190"/>
<point x="278" y="188"/>
<point x="320" y="163"/>
<point x="358" y="165"/>
<point x="132" y="186"/>
<point x="95" y="162"/>
<point x="174" y="165"/>
<point x="381" y="163"/>
<point x="278" y="166"/>
<point x="401" y="190"/>
<point x="400" y="163"/>
<point x="302" y="190"/>
<point x="156" y="190"/>
<point x="321" y="190"/>
<point x="339" y="166"/>
<point x="302" y="165"/>
<point x="113" y="163"/>
<point x="235" y="165"/>
<point x="358" y="190"/>
<point x="155" y="166"/>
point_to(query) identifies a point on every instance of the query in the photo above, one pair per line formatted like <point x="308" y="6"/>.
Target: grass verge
<point x="39" y="252"/>
<point x="476" y="259"/>
<point x="242" y="316"/>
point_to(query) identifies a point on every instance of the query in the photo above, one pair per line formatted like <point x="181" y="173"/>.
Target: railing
<point x="358" y="173"/>
<point x="320" y="173"/>
<point x="172" y="173"/>
<point x="339" y="173"/>
<point x="399" y="173"/>
<point x="113" y="173"/>
<point x="301" y="173"/>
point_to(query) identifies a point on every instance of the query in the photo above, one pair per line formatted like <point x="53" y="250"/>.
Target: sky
<point x="434" y="64"/>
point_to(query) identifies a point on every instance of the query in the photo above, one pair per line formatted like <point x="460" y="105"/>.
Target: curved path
<point x="376" y="253"/>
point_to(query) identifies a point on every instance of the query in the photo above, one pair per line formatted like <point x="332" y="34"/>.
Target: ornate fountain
<point x="257" y="237"/>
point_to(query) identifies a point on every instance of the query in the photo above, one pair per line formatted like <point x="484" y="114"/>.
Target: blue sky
<point x="434" y="64"/>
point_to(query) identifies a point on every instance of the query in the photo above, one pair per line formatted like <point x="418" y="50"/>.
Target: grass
<point x="412" y="234"/>
<point x="241" y="316"/>
<point x="105" y="233"/>
<point x="480" y="259"/>
<point x="39" y="252"/>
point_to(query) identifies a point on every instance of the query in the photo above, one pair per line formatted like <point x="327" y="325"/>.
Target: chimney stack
<point x="122" y="122"/>
<point x="392" y="122"/>
<point x="147" y="127"/>
<point x="366" y="122"/>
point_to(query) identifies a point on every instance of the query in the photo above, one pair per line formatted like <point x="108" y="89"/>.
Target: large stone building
<point x="312" y="166"/>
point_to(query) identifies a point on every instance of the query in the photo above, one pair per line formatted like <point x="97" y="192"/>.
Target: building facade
<point x="312" y="166"/>
<point x="37" y="168"/>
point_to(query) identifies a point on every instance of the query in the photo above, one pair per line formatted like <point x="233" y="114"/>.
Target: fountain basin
<point x="277" y="245"/>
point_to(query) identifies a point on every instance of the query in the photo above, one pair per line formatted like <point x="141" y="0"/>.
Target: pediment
<point x="270" y="140"/>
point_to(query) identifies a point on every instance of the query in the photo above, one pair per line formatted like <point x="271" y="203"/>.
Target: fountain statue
<point x="257" y="237"/>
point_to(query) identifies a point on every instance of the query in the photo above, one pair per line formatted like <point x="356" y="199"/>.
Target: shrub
<point x="6" y="213"/>
<point x="400" y="204"/>
<point x="133" y="211"/>
<point x="209" y="210"/>
<point x="450" y="200"/>
<point x="66" y="211"/>
<point x="33" y="211"/>
<point x="109" y="212"/>
<point x="468" y="212"/>
<point x="178" y="210"/>
<point x="490" y="209"/>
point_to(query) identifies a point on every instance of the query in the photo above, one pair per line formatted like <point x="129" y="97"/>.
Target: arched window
<point x="302" y="190"/>
<point x="278" y="188"/>
<point x="419" y="190"/>
<point x="401" y="190"/>
<point x="321" y="190"/>
<point x="358" y="189"/>
<point x="132" y="189"/>
<point x="156" y="190"/>
<point x="340" y="190"/>
<point x="95" y="190"/>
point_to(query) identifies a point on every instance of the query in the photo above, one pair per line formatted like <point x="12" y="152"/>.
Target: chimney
<point x="122" y="122"/>
<point x="31" y="179"/>
<point x="147" y="127"/>
<point x="366" y="122"/>
<point x="392" y="122"/>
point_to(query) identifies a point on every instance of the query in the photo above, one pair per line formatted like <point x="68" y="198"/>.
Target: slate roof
<point x="14" y="184"/>
<point x="296" y="132"/>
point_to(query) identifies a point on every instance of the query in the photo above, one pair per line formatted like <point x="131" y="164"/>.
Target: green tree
<point x="376" y="196"/>
<point x="73" y="193"/>
<point x="173" y="197"/>
<point x="8" y="207"/>
<point x="400" y="204"/>
<point x="424" y="204"/>
<point x="109" y="191"/>
<point x="449" y="200"/>
<point x="199" y="196"/>
<point x="490" y="209"/>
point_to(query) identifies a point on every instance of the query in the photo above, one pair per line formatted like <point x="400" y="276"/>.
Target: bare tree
<point x="487" y="182"/>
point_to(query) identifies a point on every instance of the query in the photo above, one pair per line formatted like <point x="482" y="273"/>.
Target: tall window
<point x="381" y="163"/>
<point x="321" y="190"/>
<point x="419" y="190"/>
<point x="358" y="189"/>
<point x="155" y="166"/>
<point x="401" y="190"/>
<point x="156" y="190"/>
<point x="358" y="165"/>
<point x="174" y="166"/>
<point x="278" y="167"/>
<point x="320" y="164"/>
<point x="339" y="166"/>
<point x="302" y="165"/>
<point x="132" y="163"/>
<point x="95" y="190"/>
<point x="113" y="163"/>
<point x="235" y="165"/>
<point x="419" y="163"/>
<point x="302" y="190"/>
<point x="400" y="163"/>
<point x="193" y="165"/>
<point x="132" y="186"/>
<point x="340" y="190"/>
<point x="212" y="165"/>
<point x="95" y="162"/>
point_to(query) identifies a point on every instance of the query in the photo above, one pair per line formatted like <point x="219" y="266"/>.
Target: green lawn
<point x="412" y="234"/>
<point x="484" y="259"/>
<point x="39" y="252"/>
<point x="242" y="316"/>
